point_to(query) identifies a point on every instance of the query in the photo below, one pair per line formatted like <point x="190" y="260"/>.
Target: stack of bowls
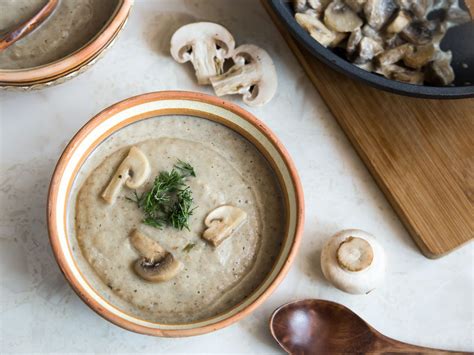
<point x="70" y="65"/>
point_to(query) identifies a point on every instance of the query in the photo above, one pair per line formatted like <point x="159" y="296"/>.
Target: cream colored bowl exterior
<point x="151" y="105"/>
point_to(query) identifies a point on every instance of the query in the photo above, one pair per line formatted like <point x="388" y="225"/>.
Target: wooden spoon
<point x="324" y="327"/>
<point x="27" y="26"/>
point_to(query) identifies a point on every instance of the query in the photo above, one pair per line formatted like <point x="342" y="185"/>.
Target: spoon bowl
<point x="323" y="327"/>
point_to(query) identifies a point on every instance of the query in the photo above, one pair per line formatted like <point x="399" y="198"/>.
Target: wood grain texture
<point x="420" y="151"/>
<point x="322" y="327"/>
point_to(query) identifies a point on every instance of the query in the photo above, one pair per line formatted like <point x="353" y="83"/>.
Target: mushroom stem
<point x="353" y="261"/>
<point x="253" y="76"/>
<point x="238" y="80"/>
<point x="146" y="246"/>
<point x="206" y="65"/>
<point x="355" y="254"/>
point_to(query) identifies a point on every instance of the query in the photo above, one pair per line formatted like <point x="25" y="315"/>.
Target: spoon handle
<point x="27" y="26"/>
<point x="384" y="344"/>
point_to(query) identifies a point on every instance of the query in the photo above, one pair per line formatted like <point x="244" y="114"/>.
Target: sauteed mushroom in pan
<point x="398" y="39"/>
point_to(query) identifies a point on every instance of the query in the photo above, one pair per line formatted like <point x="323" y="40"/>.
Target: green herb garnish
<point x="188" y="247"/>
<point x="185" y="168"/>
<point x="169" y="201"/>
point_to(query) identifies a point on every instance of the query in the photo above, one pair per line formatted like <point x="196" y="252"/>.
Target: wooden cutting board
<point x="420" y="152"/>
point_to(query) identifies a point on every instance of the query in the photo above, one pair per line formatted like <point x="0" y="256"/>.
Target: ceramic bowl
<point x="72" y="64"/>
<point x="161" y="104"/>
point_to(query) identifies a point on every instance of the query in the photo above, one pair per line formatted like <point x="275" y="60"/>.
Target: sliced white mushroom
<point x="206" y="45"/>
<point x="366" y="65"/>
<point x="300" y="5"/>
<point x="419" y="8"/>
<point x="394" y="55"/>
<point x="340" y="36"/>
<point x="353" y="41"/>
<point x="132" y="172"/>
<point x="304" y="5"/>
<point x="378" y="12"/>
<point x="353" y="261"/>
<point x="419" y="56"/>
<point x="316" y="29"/>
<point x="399" y="73"/>
<point x="222" y="222"/>
<point x="356" y="5"/>
<point x="369" y="48"/>
<point x="439" y="71"/>
<point x="318" y="4"/>
<point x="155" y="263"/>
<point x="253" y="76"/>
<point x="401" y="20"/>
<point x="420" y="32"/>
<point x="393" y="40"/>
<point x="368" y="31"/>
<point x="340" y="17"/>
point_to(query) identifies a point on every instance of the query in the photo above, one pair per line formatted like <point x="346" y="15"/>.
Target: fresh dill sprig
<point x="170" y="199"/>
<point x="137" y="199"/>
<point x="185" y="168"/>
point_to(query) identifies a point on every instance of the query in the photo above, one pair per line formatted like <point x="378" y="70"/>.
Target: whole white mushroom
<point x="353" y="261"/>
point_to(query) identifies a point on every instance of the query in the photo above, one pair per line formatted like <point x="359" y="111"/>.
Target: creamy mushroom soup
<point x="71" y="26"/>
<point x="200" y="276"/>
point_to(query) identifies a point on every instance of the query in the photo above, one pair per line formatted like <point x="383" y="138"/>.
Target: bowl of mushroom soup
<point x="174" y="213"/>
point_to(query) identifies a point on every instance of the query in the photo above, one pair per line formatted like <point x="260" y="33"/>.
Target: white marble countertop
<point x="425" y="302"/>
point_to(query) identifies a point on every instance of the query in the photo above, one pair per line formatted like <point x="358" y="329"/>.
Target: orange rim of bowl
<point x="83" y="54"/>
<point x="52" y="206"/>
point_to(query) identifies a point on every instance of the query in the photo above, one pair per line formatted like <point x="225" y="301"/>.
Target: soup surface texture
<point x="71" y="26"/>
<point x="229" y="171"/>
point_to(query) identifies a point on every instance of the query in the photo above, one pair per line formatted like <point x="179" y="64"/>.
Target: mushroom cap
<point x="187" y="36"/>
<point x="316" y="28"/>
<point x="132" y="172"/>
<point x="224" y="213"/>
<point x="355" y="282"/>
<point x="155" y="263"/>
<point x="139" y="168"/>
<point x="340" y="17"/>
<point x="158" y="270"/>
<point x="378" y="12"/>
<point x="263" y="90"/>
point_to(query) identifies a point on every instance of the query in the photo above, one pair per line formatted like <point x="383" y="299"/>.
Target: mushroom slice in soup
<point x="222" y="222"/>
<point x="132" y="172"/>
<point x="155" y="263"/>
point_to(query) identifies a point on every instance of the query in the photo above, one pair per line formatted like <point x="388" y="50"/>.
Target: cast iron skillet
<point x="460" y="40"/>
